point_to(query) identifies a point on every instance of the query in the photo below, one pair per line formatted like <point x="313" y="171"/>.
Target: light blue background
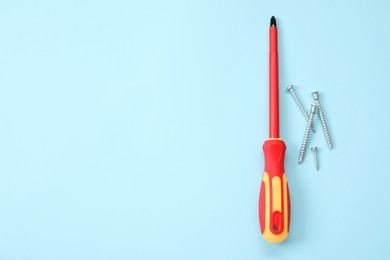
<point x="133" y="130"/>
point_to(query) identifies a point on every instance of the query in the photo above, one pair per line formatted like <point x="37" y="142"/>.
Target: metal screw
<point x="306" y="136"/>
<point x="314" y="149"/>
<point x="291" y="89"/>
<point x="322" y="119"/>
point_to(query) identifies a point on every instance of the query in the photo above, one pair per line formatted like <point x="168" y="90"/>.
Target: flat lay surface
<point x="134" y="129"/>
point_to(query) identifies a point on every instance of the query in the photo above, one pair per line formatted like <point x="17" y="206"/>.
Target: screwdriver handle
<point x="274" y="201"/>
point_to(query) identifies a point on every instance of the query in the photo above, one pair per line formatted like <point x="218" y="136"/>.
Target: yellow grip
<point x="275" y="213"/>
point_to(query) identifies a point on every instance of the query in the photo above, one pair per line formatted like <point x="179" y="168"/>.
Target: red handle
<point x="274" y="202"/>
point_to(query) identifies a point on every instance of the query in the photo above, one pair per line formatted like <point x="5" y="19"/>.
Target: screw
<point x="291" y="89"/>
<point x="306" y="136"/>
<point x="314" y="149"/>
<point x="322" y="119"/>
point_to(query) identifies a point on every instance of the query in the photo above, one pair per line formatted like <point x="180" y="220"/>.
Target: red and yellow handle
<point x="274" y="202"/>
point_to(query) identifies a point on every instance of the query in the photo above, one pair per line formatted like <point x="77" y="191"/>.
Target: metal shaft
<point x="322" y="119"/>
<point x="314" y="149"/>
<point x="306" y="136"/>
<point x="291" y="89"/>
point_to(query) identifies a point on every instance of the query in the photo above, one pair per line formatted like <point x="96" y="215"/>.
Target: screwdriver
<point x="274" y="199"/>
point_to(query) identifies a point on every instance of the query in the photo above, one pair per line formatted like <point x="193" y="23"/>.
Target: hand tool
<point x="274" y="199"/>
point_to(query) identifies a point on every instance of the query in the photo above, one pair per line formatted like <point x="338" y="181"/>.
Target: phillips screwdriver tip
<point x="273" y="21"/>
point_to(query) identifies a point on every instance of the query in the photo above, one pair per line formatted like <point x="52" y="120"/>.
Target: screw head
<point x="315" y="95"/>
<point x="313" y="148"/>
<point x="290" y="87"/>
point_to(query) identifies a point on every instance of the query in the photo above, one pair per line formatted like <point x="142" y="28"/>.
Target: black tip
<point x="273" y="21"/>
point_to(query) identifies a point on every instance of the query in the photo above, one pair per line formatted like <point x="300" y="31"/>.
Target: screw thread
<point x="315" y="159"/>
<point x="301" y="107"/>
<point x="306" y="137"/>
<point x="323" y="123"/>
